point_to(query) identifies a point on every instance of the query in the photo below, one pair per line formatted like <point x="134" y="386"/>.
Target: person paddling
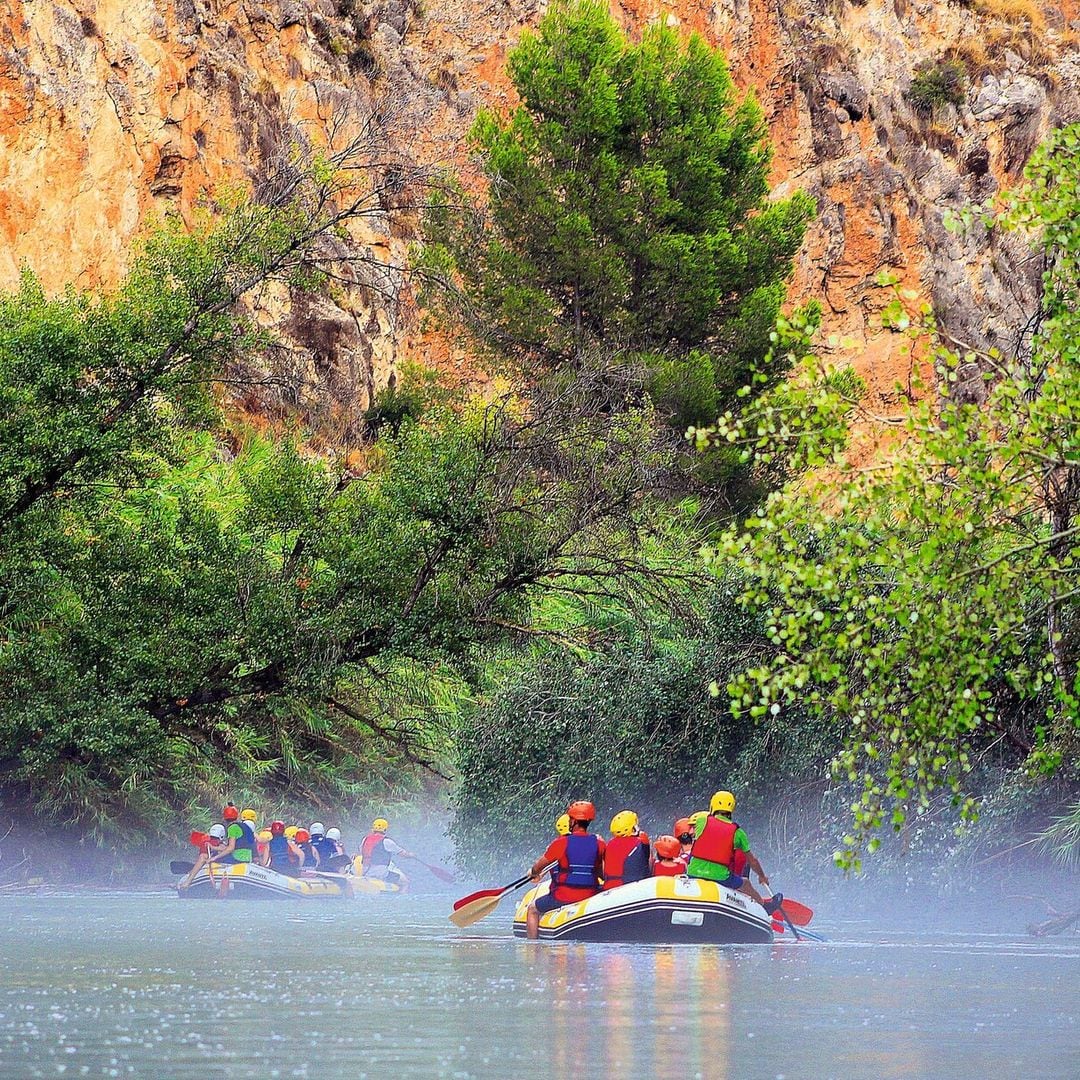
<point x="283" y="854"/>
<point x="716" y="839"/>
<point x="669" y="861"/>
<point x="215" y="842"/>
<point x="580" y="859"/>
<point x="328" y="845"/>
<point x="377" y="853"/>
<point x="562" y="828"/>
<point x="302" y="839"/>
<point x="628" y="855"/>
<point x="240" y="842"/>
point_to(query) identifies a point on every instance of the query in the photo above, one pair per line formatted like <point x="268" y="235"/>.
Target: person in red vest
<point x="580" y="859"/>
<point x="669" y="861"/>
<point x="377" y="851"/>
<point x="628" y="856"/>
<point x="716" y="840"/>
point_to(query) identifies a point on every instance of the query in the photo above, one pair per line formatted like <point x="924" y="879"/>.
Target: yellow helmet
<point x="265" y="835"/>
<point x="291" y="831"/>
<point x="624" y="823"/>
<point x="562" y="825"/>
<point x="723" y="802"/>
<point x="248" y="815"/>
<point x="380" y="824"/>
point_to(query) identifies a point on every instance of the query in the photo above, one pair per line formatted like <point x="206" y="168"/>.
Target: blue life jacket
<point x="279" y="851"/>
<point x="579" y="870"/>
<point x="327" y="849"/>
<point x="309" y="857"/>
<point x="636" y="866"/>
<point x="248" y="840"/>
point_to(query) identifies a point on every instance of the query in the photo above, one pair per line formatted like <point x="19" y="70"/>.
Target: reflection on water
<point x="662" y="1011"/>
<point x="150" y="986"/>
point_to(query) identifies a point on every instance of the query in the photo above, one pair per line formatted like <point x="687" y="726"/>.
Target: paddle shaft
<point x="790" y="924"/>
<point x="471" y="909"/>
<point x="438" y="871"/>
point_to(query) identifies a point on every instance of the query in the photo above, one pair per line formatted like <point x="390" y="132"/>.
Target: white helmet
<point x="333" y="834"/>
<point x="316" y="828"/>
<point x="217" y="832"/>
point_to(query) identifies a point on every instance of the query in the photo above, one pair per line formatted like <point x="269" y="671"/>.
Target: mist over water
<point x="148" y="985"/>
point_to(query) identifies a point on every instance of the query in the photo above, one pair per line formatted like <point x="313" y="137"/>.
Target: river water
<point x="147" y="985"/>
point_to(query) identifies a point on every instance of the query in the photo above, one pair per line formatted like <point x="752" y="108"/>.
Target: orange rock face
<point x="112" y="113"/>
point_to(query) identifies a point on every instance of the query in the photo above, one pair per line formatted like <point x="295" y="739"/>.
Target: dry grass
<point x="976" y="58"/>
<point x="1014" y="12"/>
<point x="1030" y="45"/>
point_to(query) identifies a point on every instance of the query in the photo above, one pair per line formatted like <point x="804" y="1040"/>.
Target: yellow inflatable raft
<point x="249" y="881"/>
<point x="668" y="910"/>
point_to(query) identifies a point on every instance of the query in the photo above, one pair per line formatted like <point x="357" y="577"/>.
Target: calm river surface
<point x="147" y="985"/>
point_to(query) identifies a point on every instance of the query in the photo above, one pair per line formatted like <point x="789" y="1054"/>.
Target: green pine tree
<point x="627" y="211"/>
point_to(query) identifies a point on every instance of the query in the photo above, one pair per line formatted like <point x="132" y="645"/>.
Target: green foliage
<point x="938" y="83"/>
<point x="181" y="611"/>
<point x="415" y="392"/>
<point x="684" y="388"/>
<point x="627" y="210"/>
<point x="630" y="722"/>
<point x="930" y="602"/>
<point x="1062" y="839"/>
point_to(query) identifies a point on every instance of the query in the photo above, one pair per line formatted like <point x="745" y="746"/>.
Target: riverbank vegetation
<point x="545" y="590"/>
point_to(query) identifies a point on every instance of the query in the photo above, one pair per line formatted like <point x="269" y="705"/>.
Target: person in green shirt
<point x="720" y="845"/>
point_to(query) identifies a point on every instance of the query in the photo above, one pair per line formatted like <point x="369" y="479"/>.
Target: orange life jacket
<point x="674" y="869"/>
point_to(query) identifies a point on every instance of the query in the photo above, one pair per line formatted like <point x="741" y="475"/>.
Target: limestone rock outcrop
<point x="112" y="113"/>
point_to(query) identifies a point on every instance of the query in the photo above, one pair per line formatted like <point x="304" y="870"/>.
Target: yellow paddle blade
<point x="474" y="912"/>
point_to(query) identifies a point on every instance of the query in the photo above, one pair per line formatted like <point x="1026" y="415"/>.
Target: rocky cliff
<point x="888" y="112"/>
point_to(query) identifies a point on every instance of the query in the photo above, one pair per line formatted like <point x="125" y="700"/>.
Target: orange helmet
<point x="230" y="813"/>
<point x="684" y="827"/>
<point x="581" y="811"/>
<point x="302" y="836"/>
<point x="667" y="847"/>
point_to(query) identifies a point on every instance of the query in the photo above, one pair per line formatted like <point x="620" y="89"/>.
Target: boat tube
<point x="250" y="881"/>
<point x="664" y="910"/>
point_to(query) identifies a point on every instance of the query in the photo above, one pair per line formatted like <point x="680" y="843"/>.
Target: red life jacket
<point x="675" y="869"/>
<point x="716" y="844"/>
<point x="626" y="859"/>
<point x="373" y="851"/>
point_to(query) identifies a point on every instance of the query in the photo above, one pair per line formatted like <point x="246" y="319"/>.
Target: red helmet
<point x="230" y="813"/>
<point x="667" y="847"/>
<point x="302" y="836"/>
<point x="277" y="828"/>
<point x="581" y="811"/>
<point x="684" y="827"/>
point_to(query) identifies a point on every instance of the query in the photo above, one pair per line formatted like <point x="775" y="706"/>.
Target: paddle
<point x="474" y="907"/>
<point x="438" y="871"/>
<point x="790" y="924"/>
<point x="787" y="918"/>
<point x="490" y="892"/>
<point x="798" y="913"/>
<point x="181" y="866"/>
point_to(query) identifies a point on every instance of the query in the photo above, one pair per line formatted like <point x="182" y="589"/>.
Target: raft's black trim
<point x="649" y="920"/>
